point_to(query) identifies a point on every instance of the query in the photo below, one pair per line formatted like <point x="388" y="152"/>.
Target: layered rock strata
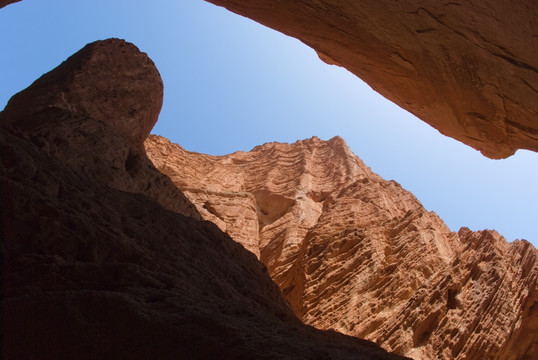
<point x="360" y="255"/>
<point x="100" y="260"/>
<point x="467" y="68"/>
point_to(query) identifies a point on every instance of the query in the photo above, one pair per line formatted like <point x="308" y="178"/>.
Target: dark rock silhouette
<point x="99" y="259"/>
<point x="7" y="2"/>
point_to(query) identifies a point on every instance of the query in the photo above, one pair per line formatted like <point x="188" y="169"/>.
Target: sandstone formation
<point x="99" y="259"/>
<point x="360" y="255"/>
<point x="467" y="68"/>
<point x="87" y="112"/>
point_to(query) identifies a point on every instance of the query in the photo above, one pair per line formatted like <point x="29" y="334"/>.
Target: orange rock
<point x="360" y="255"/>
<point x="467" y="68"/>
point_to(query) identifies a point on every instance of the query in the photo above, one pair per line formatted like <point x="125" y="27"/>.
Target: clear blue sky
<point x="231" y="84"/>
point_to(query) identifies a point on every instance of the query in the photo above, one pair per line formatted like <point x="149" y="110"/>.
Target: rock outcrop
<point x="467" y="68"/>
<point x="7" y="2"/>
<point x="103" y="258"/>
<point x="87" y="112"/>
<point x="360" y="255"/>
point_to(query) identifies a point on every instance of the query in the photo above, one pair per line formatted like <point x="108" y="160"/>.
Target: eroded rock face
<point x="481" y="306"/>
<point x="104" y="81"/>
<point x="102" y="255"/>
<point x="274" y="190"/>
<point x="88" y="113"/>
<point x="358" y="254"/>
<point x="467" y="68"/>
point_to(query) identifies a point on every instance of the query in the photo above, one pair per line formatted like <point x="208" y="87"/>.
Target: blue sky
<point x="231" y="84"/>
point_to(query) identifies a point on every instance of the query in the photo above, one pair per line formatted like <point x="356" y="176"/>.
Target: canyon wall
<point x="360" y="255"/>
<point x="103" y="257"/>
<point x="467" y="68"/>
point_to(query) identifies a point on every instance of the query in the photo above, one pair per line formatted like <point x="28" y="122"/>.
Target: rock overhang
<point x="466" y="68"/>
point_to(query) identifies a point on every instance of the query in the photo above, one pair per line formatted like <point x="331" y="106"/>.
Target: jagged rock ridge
<point x="103" y="256"/>
<point x="358" y="254"/>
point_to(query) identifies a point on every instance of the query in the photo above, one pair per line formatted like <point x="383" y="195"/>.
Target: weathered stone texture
<point x="467" y="68"/>
<point x="360" y="255"/>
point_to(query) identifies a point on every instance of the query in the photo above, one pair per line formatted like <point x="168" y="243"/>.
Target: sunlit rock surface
<point x="467" y="68"/>
<point x="360" y="255"/>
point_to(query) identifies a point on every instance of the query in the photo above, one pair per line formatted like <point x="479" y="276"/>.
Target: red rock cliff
<point x="358" y="254"/>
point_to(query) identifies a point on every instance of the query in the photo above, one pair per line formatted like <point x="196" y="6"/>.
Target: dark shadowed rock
<point x="99" y="259"/>
<point x="7" y="2"/>
<point x="93" y="112"/>
<point x="108" y="81"/>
